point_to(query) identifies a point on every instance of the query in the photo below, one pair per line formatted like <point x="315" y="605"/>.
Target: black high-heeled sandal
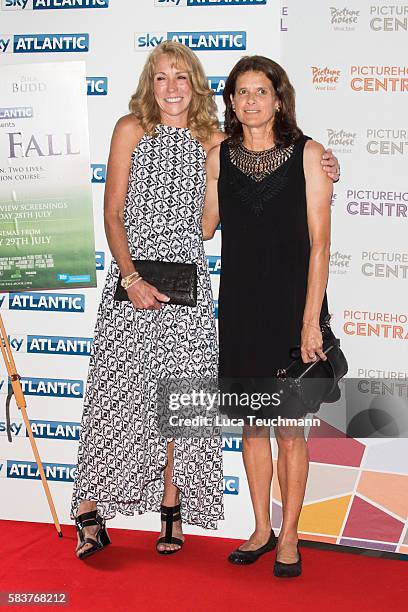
<point x="170" y="514"/>
<point x="98" y="541"/>
<point x="246" y="557"/>
<point x="288" y="570"/>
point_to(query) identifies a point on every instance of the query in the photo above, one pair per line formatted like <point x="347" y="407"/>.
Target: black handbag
<point x="303" y="387"/>
<point x="176" y="280"/>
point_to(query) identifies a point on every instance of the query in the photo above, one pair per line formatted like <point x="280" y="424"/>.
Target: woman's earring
<point x="277" y="109"/>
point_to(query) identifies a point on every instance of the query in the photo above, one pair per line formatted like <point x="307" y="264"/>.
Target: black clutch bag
<point x="177" y="280"/>
<point x="303" y="387"/>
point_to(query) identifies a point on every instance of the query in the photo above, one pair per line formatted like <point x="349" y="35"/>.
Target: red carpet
<point x="129" y="575"/>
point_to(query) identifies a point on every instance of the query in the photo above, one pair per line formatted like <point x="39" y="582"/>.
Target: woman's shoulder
<point x="129" y="126"/>
<point x="127" y="132"/>
<point x="214" y="142"/>
<point x="312" y="148"/>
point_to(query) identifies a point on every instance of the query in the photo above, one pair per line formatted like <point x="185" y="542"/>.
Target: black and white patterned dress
<point x="122" y="454"/>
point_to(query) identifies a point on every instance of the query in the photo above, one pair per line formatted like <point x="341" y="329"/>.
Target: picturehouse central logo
<point x="376" y="203"/>
<point x="389" y="79"/>
<point x="373" y="324"/>
<point x="325" y="78"/>
<point x="384" y="141"/>
<point x="389" y="18"/>
<point x="384" y="264"/>
<point x="343" y="19"/>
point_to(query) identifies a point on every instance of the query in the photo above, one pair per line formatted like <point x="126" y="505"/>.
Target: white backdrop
<point x="302" y="36"/>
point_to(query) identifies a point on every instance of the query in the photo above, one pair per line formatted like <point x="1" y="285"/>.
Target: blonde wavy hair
<point x="202" y="113"/>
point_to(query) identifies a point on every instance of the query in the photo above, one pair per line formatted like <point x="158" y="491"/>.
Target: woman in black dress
<point x="266" y="185"/>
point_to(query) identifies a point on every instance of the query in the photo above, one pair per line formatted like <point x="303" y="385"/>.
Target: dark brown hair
<point x="285" y="129"/>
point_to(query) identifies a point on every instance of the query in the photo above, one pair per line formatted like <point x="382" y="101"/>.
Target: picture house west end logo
<point x="343" y="19"/>
<point x="372" y="324"/>
<point x="340" y="263"/>
<point x="382" y="141"/>
<point x="379" y="78"/>
<point x="389" y="18"/>
<point x="340" y="141"/>
<point x="325" y="79"/>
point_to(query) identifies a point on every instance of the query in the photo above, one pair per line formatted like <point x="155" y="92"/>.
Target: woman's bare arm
<point x="319" y="189"/>
<point x="211" y="217"/>
<point x="125" y="138"/>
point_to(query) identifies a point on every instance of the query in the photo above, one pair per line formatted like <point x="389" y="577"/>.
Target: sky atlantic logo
<point x="44" y="43"/>
<point x="54" y="302"/>
<point x="55" y="430"/>
<point x="217" y="84"/>
<point x="203" y="3"/>
<point x="325" y="79"/>
<point x="214" y="264"/>
<point x="28" y="470"/>
<point x="52" y="430"/>
<point x="53" y="387"/>
<point x="98" y="173"/>
<point x="39" y="5"/>
<point x="100" y="260"/>
<point x="231" y="443"/>
<point x="340" y="141"/>
<point x="97" y="86"/>
<point x="17" y="429"/>
<point x="343" y="19"/>
<point x="389" y="18"/>
<point x="383" y="141"/>
<point x="62" y="345"/>
<point x="384" y="264"/>
<point x="375" y="203"/>
<point x="231" y="485"/>
<point x="197" y="41"/>
<point x="340" y="262"/>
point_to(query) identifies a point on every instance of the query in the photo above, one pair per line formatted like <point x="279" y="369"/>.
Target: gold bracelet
<point x="128" y="279"/>
<point x="133" y="282"/>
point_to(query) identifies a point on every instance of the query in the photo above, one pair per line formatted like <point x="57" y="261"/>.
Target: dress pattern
<point x="122" y="453"/>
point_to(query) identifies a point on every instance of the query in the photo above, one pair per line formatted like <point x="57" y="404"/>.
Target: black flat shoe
<point x="288" y="570"/>
<point x="98" y="541"/>
<point x="246" y="557"/>
<point x="170" y="514"/>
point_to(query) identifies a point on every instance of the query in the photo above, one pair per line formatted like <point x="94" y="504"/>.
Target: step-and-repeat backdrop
<point x="347" y="67"/>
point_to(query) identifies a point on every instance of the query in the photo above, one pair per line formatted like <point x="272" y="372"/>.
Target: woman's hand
<point x="330" y="164"/>
<point x="311" y="347"/>
<point x="144" y="295"/>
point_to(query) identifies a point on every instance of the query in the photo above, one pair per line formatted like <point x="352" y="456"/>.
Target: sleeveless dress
<point x="122" y="452"/>
<point x="265" y="261"/>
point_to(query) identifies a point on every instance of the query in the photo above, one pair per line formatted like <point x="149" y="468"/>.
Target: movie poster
<point x="46" y="215"/>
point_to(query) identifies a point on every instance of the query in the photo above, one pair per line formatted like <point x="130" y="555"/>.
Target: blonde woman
<point x="153" y="204"/>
